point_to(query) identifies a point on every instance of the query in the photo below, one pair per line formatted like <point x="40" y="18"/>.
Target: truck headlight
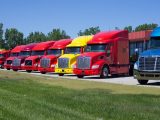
<point x="53" y="65"/>
<point x="36" y="65"/>
<point x="136" y="66"/>
<point x="73" y="66"/>
<point x="22" y="64"/>
<point x="95" y="66"/>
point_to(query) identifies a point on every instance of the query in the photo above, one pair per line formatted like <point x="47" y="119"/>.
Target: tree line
<point x="12" y="37"/>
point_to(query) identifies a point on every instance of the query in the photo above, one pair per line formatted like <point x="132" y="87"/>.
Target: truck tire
<point x="80" y="76"/>
<point x="29" y="71"/>
<point x="104" y="72"/>
<point x="8" y="68"/>
<point x="142" y="82"/>
<point x="60" y="74"/>
<point x="43" y="72"/>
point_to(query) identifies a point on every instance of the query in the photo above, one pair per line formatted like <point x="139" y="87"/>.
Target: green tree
<point x="34" y="37"/>
<point x="89" y="31"/>
<point x="146" y="27"/>
<point x="129" y="28"/>
<point x="1" y="36"/>
<point x="57" y="34"/>
<point x="13" y="38"/>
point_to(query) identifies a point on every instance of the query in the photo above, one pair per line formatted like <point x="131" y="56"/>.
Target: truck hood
<point x="70" y="56"/>
<point x="152" y="52"/>
<point x="22" y="57"/>
<point x="11" y="58"/>
<point x="33" y="57"/>
<point x="50" y="57"/>
<point x="92" y="54"/>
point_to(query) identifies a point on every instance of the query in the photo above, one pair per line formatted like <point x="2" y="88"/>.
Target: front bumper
<point x="34" y="68"/>
<point x="16" y="68"/>
<point x="64" y="71"/>
<point x="8" y="66"/>
<point x="86" y="72"/>
<point x="141" y="75"/>
<point x="46" y="69"/>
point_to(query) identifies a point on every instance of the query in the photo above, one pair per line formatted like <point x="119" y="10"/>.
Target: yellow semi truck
<point x="67" y="61"/>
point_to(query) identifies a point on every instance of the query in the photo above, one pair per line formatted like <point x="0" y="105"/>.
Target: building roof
<point x="140" y="35"/>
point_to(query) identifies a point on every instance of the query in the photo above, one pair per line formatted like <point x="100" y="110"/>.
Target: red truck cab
<point x="107" y="53"/>
<point x="4" y="54"/>
<point x="33" y="61"/>
<point x="14" y="53"/>
<point x="48" y="62"/>
<point x="18" y="62"/>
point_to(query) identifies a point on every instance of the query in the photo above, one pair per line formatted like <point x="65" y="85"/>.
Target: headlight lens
<point x="53" y="65"/>
<point x="136" y="66"/>
<point x="95" y="66"/>
<point x="22" y="64"/>
<point x="73" y="66"/>
<point x="36" y="65"/>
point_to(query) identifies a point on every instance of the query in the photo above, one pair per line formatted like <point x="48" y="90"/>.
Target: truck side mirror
<point x="108" y="52"/>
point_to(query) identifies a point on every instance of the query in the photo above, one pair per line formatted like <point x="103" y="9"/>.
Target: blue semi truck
<point x="148" y="65"/>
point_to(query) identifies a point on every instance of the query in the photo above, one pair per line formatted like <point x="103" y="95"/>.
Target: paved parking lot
<point x="116" y="80"/>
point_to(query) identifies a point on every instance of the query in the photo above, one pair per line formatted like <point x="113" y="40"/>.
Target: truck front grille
<point x="9" y="62"/>
<point x="16" y="62"/>
<point x="45" y="63"/>
<point x="83" y="62"/>
<point x="63" y="62"/>
<point x="149" y="63"/>
<point x="28" y="62"/>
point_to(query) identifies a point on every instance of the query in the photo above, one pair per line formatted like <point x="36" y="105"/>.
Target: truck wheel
<point x="15" y="70"/>
<point x="104" y="72"/>
<point x="8" y="68"/>
<point x="143" y="82"/>
<point x="29" y="71"/>
<point x="43" y="72"/>
<point x="80" y="76"/>
<point x="60" y="74"/>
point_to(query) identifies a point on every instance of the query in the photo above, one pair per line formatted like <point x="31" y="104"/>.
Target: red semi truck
<point x="107" y="53"/>
<point x="14" y="53"/>
<point x="18" y="62"/>
<point x="33" y="61"/>
<point x="48" y="62"/>
<point x="4" y="54"/>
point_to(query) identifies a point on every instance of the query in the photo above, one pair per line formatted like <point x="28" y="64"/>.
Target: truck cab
<point x="66" y="62"/>
<point x="32" y="62"/>
<point x="48" y="62"/>
<point x="148" y="65"/>
<point x="107" y="53"/>
<point x="18" y="62"/>
<point x="4" y="54"/>
<point x="14" y="53"/>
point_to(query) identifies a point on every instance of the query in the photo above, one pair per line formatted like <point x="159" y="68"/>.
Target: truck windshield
<point x="56" y="52"/>
<point x="154" y="43"/>
<point x="95" y="48"/>
<point x="25" y="53"/>
<point x="1" y="55"/>
<point x="73" y="50"/>
<point x="34" y="53"/>
<point x="14" y="54"/>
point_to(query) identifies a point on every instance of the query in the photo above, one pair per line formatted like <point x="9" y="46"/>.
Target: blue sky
<point x="74" y="15"/>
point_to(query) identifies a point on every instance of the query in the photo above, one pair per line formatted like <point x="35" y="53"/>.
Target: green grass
<point x="29" y="97"/>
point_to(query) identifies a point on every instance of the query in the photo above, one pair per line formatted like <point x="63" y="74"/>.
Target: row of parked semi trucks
<point x="104" y="54"/>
